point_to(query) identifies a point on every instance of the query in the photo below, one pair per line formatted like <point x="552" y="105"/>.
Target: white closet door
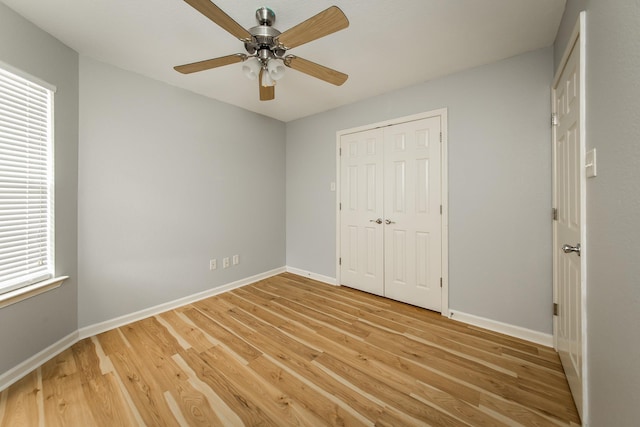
<point x="361" y="190"/>
<point x="413" y="232"/>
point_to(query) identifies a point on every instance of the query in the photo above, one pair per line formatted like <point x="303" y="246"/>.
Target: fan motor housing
<point x="263" y="36"/>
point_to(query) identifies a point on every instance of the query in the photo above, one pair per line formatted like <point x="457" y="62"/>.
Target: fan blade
<point x="210" y="63"/>
<point x="267" y="93"/>
<point x="315" y="70"/>
<point x="218" y="16"/>
<point x="324" y="23"/>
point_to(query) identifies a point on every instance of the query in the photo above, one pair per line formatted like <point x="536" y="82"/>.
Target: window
<point x="26" y="181"/>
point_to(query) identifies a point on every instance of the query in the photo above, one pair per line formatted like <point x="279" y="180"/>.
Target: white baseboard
<point x="503" y="328"/>
<point x="319" y="277"/>
<point x="107" y="325"/>
<point x="17" y="372"/>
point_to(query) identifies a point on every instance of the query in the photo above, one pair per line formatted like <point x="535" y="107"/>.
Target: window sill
<point x="30" y="291"/>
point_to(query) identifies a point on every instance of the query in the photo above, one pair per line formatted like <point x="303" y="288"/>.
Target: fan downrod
<point x="265" y="16"/>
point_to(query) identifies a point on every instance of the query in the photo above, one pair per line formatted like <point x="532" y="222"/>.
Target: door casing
<point x="442" y="113"/>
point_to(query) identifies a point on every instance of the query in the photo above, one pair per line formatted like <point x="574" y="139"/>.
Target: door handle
<point x="568" y="249"/>
<point x="388" y="221"/>
<point x="377" y="221"/>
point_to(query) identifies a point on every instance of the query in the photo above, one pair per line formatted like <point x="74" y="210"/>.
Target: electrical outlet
<point x="213" y="264"/>
<point x="225" y="262"/>
<point x="236" y="259"/>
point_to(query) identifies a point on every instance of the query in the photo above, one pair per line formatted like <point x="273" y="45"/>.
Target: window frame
<point x="28" y="284"/>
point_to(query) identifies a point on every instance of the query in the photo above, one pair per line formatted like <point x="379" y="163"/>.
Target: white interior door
<point x="361" y="213"/>
<point x="412" y="213"/>
<point x="569" y="225"/>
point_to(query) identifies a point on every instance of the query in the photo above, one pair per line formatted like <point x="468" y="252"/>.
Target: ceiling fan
<point x="267" y="47"/>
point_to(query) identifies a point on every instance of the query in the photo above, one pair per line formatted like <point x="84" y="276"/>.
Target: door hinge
<point x="554" y="214"/>
<point x="555" y="308"/>
<point x="440" y="209"/>
<point x="340" y="150"/>
<point x="440" y="136"/>
<point x="554" y="119"/>
<point x="340" y="261"/>
<point x="441" y="282"/>
<point x="340" y="205"/>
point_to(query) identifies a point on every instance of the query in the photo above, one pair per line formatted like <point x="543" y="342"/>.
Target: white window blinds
<point x="26" y="182"/>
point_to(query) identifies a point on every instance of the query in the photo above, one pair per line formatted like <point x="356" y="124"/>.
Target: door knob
<point x="388" y="221"/>
<point x="568" y="249"/>
<point x="377" y="221"/>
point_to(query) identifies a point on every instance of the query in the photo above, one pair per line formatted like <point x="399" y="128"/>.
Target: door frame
<point x="444" y="186"/>
<point x="577" y="41"/>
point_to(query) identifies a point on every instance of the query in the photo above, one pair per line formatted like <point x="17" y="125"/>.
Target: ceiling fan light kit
<point x="267" y="80"/>
<point x="251" y="68"/>
<point x="276" y="69"/>
<point x="266" y="47"/>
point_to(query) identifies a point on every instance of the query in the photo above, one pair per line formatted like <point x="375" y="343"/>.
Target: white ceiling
<point x="389" y="44"/>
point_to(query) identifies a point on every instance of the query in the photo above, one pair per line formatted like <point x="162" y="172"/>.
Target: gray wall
<point x="33" y="324"/>
<point x="613" y="207"/>
<point x="499" y="184"/>
<point x="168" y="180"/>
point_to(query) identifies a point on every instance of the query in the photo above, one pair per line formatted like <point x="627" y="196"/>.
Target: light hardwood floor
<point x="292" y="351"/>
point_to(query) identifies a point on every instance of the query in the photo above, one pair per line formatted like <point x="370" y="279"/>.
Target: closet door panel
<point x="412" y="213"/>
<point x="361" y="191"/>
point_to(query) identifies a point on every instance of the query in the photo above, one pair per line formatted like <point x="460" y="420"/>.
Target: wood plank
<point x="392" y="397"/>
<point x="254" y="309"/>
<point x="144" y="390"/>
<point x="61" y="365"/>
<point x="288" y="350"/>
<point x="401" y="381"/>
<point x="157" y="346"/>
<point x="516" y="412"/>
<point x="301" y="367"/>
<point x="64" y="402"/>
<point x="292" y="315"/>
<point x="425" y="374"/>
<point x="223" y="414"/>
<point x="211" y="324"/>
<point x="187" y="330"/>
<point x="470" y="349"/>
<point x="472" y="373"/>
<point x="105" y="400"/>
<point x="278" y="404"/>
<point x="250" y="412"/>
<point x="4" y="394"/>
<point x="21" y="407"/>
<point x="111" y="342"/>
<point x="329" y="410"/>
<point x="324" y="318"/>
<point x="342" y="310"/>
<point x="273" y="338"/>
